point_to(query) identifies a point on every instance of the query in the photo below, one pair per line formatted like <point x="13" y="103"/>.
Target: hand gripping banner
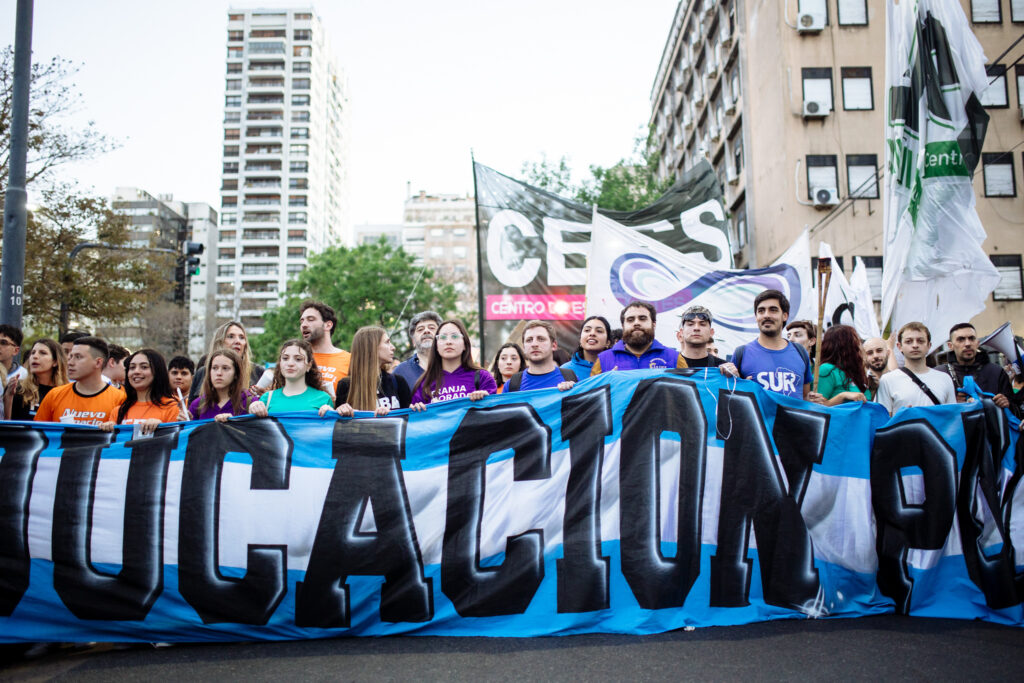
<point x="637" y="502"/>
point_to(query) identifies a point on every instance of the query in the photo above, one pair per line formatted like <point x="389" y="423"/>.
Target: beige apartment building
<point x="440" y="230"/>
<point x="786" y="99"/>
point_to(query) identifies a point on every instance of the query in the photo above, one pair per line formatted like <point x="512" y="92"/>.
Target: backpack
<point x="517" y="379"/>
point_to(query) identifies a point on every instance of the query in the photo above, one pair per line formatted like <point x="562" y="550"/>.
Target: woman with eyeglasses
<point x="451" y="373"/>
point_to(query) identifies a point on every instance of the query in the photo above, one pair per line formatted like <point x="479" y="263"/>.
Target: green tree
<point x="103" y="285"/>
<point x="629" y="184"/>
<point x="372" y="284"/>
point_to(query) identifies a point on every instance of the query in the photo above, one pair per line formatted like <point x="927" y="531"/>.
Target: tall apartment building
<point x="186" y="321"/>
<point x="285" y="180"/>
<point x="786" y="100"/>
<point x="440" y="229"/>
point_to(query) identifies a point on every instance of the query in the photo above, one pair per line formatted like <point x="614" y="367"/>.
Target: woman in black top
<point x="47" y="368"/>
<point x="369" y="385"/>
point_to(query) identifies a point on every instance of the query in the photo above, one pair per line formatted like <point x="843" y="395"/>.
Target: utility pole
<point x="12" y="277"/>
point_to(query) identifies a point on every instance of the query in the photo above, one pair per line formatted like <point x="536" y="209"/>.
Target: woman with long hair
<point x="47" y="368"/>
<point x="509" y="361"/>
<point x="230" y="335"/>
<point x="223" y="393"/>
<point x="369" y="385"/>
<point x="296" y="385"/>
<point x="452" y="373"/>
<point x="149" y="400"/>
<point x="841" y="377"/>
<point x="595" y="337"/>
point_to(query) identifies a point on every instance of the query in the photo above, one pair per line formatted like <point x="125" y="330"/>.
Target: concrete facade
<point x="786" y="97"/>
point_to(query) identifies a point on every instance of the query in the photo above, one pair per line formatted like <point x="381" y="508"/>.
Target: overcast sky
<point x="429" y="82"/>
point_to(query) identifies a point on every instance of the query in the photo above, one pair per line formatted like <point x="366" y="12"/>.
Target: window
<point x="303" y="34"/>
<point x="266" y="48"/>
<point x="226" y="271"/>
<point x="232" y="116"/>
<point x="296" y="235"/>
<point x="228" y="252"/>
<point x="459" y="232"/>
<point x="873" y="265"/>
<point x="301" y="67"/>
<point x="862" y="175"/>
<point x="231" y="150"/>
<point x="436" y="252"/>
<point x="231" y="134"/>
<point x="300" y="83"/>
<point x="986" y="12"/>
<point x="437" y="232"/>
<point x="298" y="167"/>
<point x="234" y="67"/>
<point x="853" y="12"/>
<point x="298" y="183"/>
<point x="296" y="252"/>
<point x="229" y="201"/>
<point x="819" y="7"/>
<point x="741" y="226"/>
<point x="817" y="83"/>
<point x="857" y="92"/>
<point x="227" y="236"/>
<point x="995" y="94"/>
<point x="235" y="36"/>
<point x="303" y="16"/>
<point x="295" y="268"/>
<point x="736" y="145"/>
<point x="232" y="100"/>
<point x="821" y="172"/>
<point x="300" y="133"/>
<point x="300" y="100"/>
<point x="297" y="217"/>
<point x="228" y="218"/>
<point x="838" y="260"/>
<point x="998" y="172"/>
<point x="297" y="200"/>
<point x="230" y="167"/>
<point x="1020" y="82"/>
<point x="302" y="51"/>
<point x="230" y="184"/>
<point x="459" y="252"/>
<point x="236" y="17"/>
<point x="234" y="53"/>
<point x="1011" y="281"/>
<point x="1016" y="11"/>
<point x="300" y="116"/>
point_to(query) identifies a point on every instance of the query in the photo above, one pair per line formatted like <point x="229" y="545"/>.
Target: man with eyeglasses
<point x="695" y="336"/>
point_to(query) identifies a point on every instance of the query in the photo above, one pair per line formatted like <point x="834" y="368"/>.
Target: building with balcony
<point x="185" y="323"/>
<point x="440" y="229"/>
<point x="786" y="100"/>
<point x="285" y="175"/>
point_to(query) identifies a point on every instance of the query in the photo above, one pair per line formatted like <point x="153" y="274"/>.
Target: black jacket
<point x="989" y="377"/>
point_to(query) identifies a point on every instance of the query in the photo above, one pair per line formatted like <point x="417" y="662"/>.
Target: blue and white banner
<point x="637" y="502"/>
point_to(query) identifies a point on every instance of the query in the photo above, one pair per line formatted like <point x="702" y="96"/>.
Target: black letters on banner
<point x="988" y="439"/>
<point x="21" y="448"/>
<point x="367" y="470"/>
<point x="477" y="591"/>
<point x="753" y="490"/>
<point x="660" y="405"/>
<point x="88" y="593"/>
<point x="903" y="525"/>
<point x="582" y="572"/>
<point x="217" y="598"/>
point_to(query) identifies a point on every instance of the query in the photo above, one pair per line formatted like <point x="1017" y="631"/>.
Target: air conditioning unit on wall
<point x="810" y="22"/>
<point x="824" y="197"/>
<point x="814" y="109"/>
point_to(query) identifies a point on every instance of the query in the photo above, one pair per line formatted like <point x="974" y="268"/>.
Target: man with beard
<point x="316" y="323"/>
<point x="638" y="349"/>
<point x="990" y="378"/>
<point x="771" y="360"/>
<point x="422" y="329"/>
<point x="876" y="361"/>
<point x="542" y="371"/>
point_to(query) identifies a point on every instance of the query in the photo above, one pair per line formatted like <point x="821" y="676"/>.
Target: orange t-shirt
<point x="66" y="404"/>
<point x="167" y="412"/>
<point x="333" y="366"/>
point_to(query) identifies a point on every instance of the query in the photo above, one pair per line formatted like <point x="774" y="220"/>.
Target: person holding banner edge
<point x="915" y="384"/>
<point x="963" y="341"/>
<point x="541" y="371"/>
<point x="774" y="362"/>
<point x="638" y="349"/>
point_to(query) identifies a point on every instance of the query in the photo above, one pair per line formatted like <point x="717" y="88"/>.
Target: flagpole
<point x="824" y="278"/>
<point x="479" y="260"/>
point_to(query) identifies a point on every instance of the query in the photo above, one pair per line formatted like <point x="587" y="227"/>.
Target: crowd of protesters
<point x="82" y="379"/>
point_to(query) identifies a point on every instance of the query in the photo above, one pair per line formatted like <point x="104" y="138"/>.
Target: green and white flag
<point x="934" y="270"/>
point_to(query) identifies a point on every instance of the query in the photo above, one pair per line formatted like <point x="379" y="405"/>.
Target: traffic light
<point x="192" y="252"/>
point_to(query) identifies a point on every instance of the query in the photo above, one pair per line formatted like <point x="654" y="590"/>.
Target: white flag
<point x="935" y="270"/>
<point x="630" y="266"/>
<point x="847" y="303"/>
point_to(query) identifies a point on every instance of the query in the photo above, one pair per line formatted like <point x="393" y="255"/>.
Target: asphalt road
<point x="886" y="647"/>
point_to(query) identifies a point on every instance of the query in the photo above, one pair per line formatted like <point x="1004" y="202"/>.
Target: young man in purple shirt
<point x="638" y="349"/>
<point x="542" y="371"/>
<point x="772" y="361"/>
